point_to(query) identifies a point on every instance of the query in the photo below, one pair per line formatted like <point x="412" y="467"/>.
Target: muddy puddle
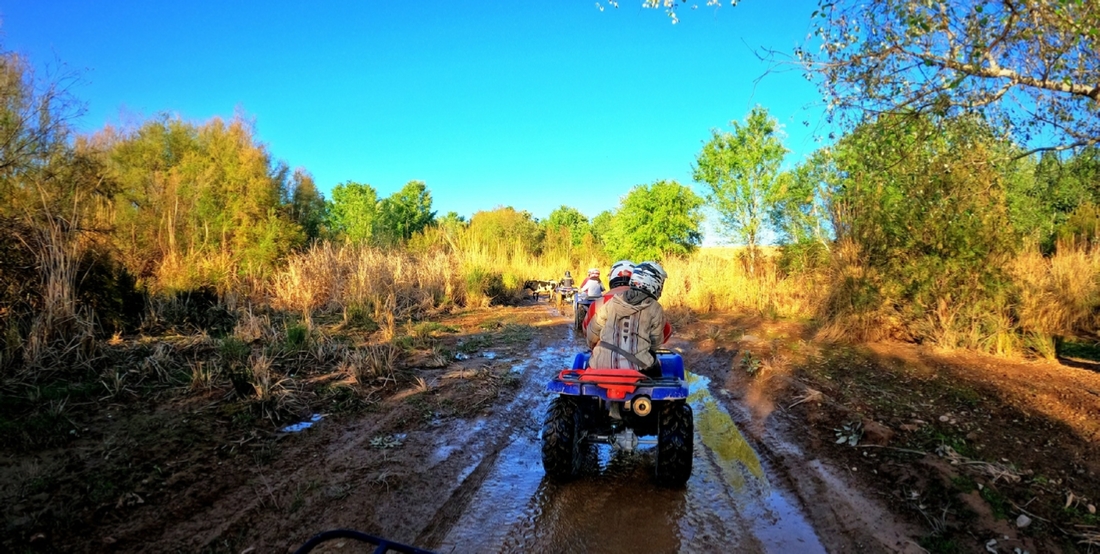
<point x="729" y="504"/>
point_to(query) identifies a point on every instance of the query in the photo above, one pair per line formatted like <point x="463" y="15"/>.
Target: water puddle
<point x="728" y="505"/>
<point x="774" y="518"/>
<point x="302" y="425"/>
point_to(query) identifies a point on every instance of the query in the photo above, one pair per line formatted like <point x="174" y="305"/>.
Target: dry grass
<point x="717" y="280"/>
<point x="1060" y="294"/>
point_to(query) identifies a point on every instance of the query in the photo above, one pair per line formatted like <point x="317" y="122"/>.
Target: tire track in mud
<point x="519" y="412"/>
<point x="729" y="503"/>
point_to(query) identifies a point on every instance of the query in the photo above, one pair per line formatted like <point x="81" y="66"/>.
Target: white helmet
<point x="594" y="272"/>
<point x="621" y="270"/>
<point x="650" y="277"/>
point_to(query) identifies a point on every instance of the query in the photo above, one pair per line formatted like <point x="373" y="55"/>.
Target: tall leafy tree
<point x="1030" y="67"/>
<point x="655" y="221"/>
<point x="186" y="190"/>
<point x="405" y="212"/>
<point x="353" y="212"/>
<point x="804" y="201"/>
<point x="307" y="205"/>
<point x="566" y="217"/>
<point x="741" y="169"/>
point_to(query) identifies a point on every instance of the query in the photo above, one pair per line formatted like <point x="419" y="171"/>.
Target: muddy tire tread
<point x="675" y="444"/>
<point x="561" y="452"/>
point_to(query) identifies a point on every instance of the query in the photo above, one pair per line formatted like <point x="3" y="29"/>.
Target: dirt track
<point x="476" y="484"/>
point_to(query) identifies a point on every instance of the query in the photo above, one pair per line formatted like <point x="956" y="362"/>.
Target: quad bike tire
<point x="578" y="317"/>
<point x="675" y="443"/>
<point x="562" y="455"/>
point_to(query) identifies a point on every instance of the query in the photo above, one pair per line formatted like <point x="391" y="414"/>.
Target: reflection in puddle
<point x="776" y="522"/>
<point x="719" y="433"/>
<point x="728" y="505"/>
<point x="302" y="425"/>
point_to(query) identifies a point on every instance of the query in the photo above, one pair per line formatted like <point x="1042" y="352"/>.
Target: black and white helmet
<point x="650" y="277"/>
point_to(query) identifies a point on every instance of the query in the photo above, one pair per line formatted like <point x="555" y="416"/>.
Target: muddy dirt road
<point x="476" y="484"/>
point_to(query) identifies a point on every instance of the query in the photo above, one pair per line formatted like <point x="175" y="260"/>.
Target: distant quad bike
<point x="617" y="406"/>
<point x="562" y="295"/>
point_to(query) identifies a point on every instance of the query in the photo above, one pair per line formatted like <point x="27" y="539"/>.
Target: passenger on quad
<point x="619" y="283"/>
<point x="591" y="286"/>
<point x="627" y="330"/>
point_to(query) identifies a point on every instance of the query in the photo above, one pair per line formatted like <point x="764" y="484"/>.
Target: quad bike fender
<point x="672" y="364"/>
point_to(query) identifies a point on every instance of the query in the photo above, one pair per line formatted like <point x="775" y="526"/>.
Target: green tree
<point x="307" y="204"/>
<point x="186" y="191"/>
<point x="600" y="225"/>
<point x="405" y="212"/>
<point x="741" y="169"/>
<point x="1029" y="67"/>
<point x="655" y="221"/>
<point x="565" y="217"/>
<point x="928" y="228"/>
<point x="353" y="212"/>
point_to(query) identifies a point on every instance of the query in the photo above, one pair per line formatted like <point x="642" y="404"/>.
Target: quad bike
<point x="581" y="303"/>
<point x="563" y="294"/>
<point x="617" y="406"/>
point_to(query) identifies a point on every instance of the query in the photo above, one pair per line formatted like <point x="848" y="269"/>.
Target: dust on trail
<point x="729" y="504"/>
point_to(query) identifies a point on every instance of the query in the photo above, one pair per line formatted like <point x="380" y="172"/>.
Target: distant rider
<point x="619" y="282"/>
<point x="591" y="286"/>
<point x="627" y="331"/>
<point x="567" y="281"/>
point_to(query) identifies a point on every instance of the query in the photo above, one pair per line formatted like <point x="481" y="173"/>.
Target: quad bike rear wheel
<point x="675" y="443"/>
<point x="562" y="454"/>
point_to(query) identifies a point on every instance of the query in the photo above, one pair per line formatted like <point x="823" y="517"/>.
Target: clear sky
<point x="527" y="103"/>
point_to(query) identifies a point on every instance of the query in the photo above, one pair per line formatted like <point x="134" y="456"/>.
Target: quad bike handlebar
<point x="384" y="545"/>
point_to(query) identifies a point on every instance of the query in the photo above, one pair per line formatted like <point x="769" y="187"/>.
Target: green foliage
<point x="185" y="192"/>
<point x="601" y="224"/>
<point x="307" y="205"/>
<point x="741" y="170"/>
<point x="925" y="208"/>
<point x="655" y="221"/>
<point x="297" y="337"/>
<point x="353" y="212"/>
<point x="483" y="283"/>
<point x="565" y="217"/>
<point x="1028" y="67"/>
<point x="406" y="212"/>
<point x="504" y="232"/>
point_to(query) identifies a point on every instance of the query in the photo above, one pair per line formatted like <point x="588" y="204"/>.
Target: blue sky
<point x="527" y="103"/>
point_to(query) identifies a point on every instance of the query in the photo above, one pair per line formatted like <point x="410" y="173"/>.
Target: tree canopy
<point x="741" y="169"/>
<point x="654" y="221"/>
<point x="1029" y="67"/>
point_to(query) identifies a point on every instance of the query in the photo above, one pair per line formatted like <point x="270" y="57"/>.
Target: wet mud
<point x="734" y="500"/>
<point x="475" y="483"/>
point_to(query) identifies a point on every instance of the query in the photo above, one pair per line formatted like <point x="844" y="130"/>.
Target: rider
<point x="619" y="283"/>
<point x="591" y="286"/>
<point x="626" y="332"/>
<point x="567" y="281"/>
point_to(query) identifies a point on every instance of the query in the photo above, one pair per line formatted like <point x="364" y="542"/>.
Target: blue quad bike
<point x="581" y="304"/>
<point x="617" y="406"/>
